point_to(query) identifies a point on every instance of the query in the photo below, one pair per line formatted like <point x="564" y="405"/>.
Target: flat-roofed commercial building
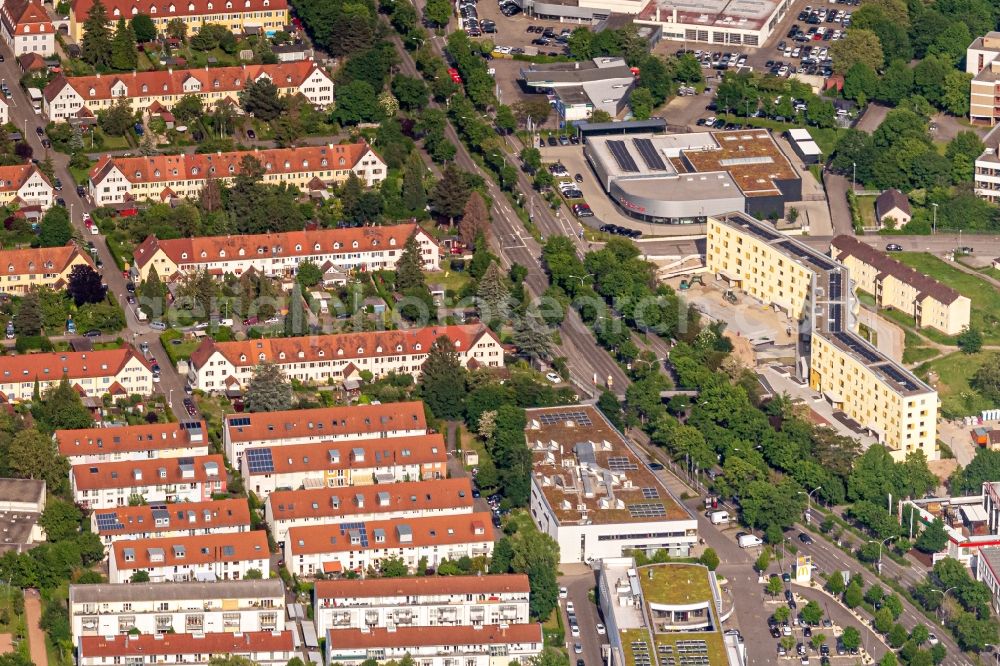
<point x="263" y="648"/>
<point x="22" y="502"/>
<point x="421" y="602"/>
<point x="285" y="509"/>
<point x="684" y="178"/>
<point x="984" y="90"/>
<point x="147" y="521"/>
<point x="896" y="285"/>
<point x="488" y="645"/>
<point x="209" y="557"/>
<point x="319" y="426"/>
<point x="717" y="22"/>
<point x="112" y="484"/>
<point x="424" y="457"/>
<point x="816" y="291"/>
<point x="580" y="88"/>
<point x="133" y="442"/>
<point x="161" y="608"/>
<point x="593" y="495"/>
<point x="356" y="546"/>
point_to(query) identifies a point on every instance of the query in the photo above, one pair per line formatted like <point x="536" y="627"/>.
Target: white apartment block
<point x="208" y="558"/>
<point x="316" y="426"/>
<point x="380" y="603"/>
<point x="355" y="546"/>
<point x="286" y="509"/>
<point x="109" y="485"/>
<point x="381" y="461"/>
<point x="981" y="63"/>
<point x="25" y="185"/>
<point x="158" y="608"/>
<point x="147" y="521"/>
<point x="217" y="367"/>
<point x="261" y="648"/>
<point x="279" y="255"/>
<point x="114" y="371"/>
<point x="26" y="28"/>
<point x="488" y="645"/>
<point x="818" y="293"/>
<point x="133" y="442"/>
<point x="986" y="178"/>
<point x="65" y="97"/>
<point x="163" y="177"/>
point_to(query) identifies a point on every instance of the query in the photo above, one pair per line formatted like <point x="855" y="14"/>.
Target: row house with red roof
<point x="147" y="521"/>
<point x="133" y="442"/>
<point x="321" y="425"/>
<point x="65" y="97"/>
<point x="360" y="545"/>
<point x="26" y="186"/>
<point x="485" y="645"/>
<point x="285" y="509"/>
<point x="424" y="601"/>
<point x="115" y="372"/>
<point x="261" y="648"/>
<point x="206" y="558"/>
<point x="279" y="254"/>
<point x="239" y="16"/>
<point x="26" y="28"/>
<point x="114" y="484"/>
<point x="329" y="465"/>
<point x="115" y="179"/>
<point x="24" y="268"/>
<point x="234" y="606"/>
<point x="217" y="367"/>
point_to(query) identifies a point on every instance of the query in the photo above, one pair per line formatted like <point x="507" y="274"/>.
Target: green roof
<point x="675" y="583"/>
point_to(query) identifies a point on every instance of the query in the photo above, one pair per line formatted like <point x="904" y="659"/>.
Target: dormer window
<point x="164" y="87"/>
<point x="261" y="356"/>
<point x="117" y="12"/>
<point x="354" y="244"/>
<point x="174" y="172"/>
<point x="145" y="87"/>
<point x="392" y="242"/>
<point x="215" y="83"/>
<point x="336" y="246"/>
<point x="138" y="174"/>
<point x="342" y="161"/>
<point x="378" y="350"/>
<point x="243" y="358"/>
<point x="184" y="255"/>
<point x="211" y="169"/>
<point x="222" y="254"/>
<point x="229" y="5"/>
<point x="204" y="254"/>
<point x="171" y="9"/>
<point x="321" y="353"/>
<point x="92" y="91"/>
<point x="298" y="248"/>
<point x="10" y="267"/>
<point x="361" y="350"/>
<point x="247" y="4"/>
<point x="399" y="348"/>
<point x="267" y="3"/>
<point x="135" y="10"/>
<point x="282" y="356"/>
<point x="305" y="164"/>
<point x="416" y="347"/>
<point x="323" y="162"/>
<point x="232" y="169"/>
<point x="194" y="171"/>
<point x="152" y="9"/>
<point x="374" y="242"/>
<point x="316" y="247"/>
<point x="190" y="6"/>
<point x="156" y="173"/>
<point x="287" y="164"/>
<point x="340" y="352"/>
<point x="242" y="251"/>
<point x="209" y="6"/>
<point x="267" y="167"/>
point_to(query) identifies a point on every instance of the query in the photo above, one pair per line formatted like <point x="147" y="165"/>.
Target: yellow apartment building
<point x="20" y="270"/>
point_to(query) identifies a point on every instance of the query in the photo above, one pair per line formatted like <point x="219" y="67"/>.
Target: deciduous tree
<point x="857" y="46"/>
<point x="143" y="28"/>
<point x="33" y="455"/>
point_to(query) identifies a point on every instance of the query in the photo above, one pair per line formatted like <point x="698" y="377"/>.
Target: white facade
<point x="438" y="646"/>
<point x="140" y="442"/>
<point x="94" y="372"/>
<point x="131" y="523"/>
<point x="159" y="608"/>
<point x="4" y="112"/>
<point x="265" y="648"/>
<point x="107" y="485"/>
<point x="201" y="558"/>
<point x="421" y="602"/>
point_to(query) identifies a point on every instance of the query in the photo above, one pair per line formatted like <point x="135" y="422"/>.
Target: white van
<point x="749" y="541"/>
<point x="718" y="517"/>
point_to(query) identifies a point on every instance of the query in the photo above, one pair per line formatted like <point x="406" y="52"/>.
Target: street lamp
<point x="854" y="177"/>
<point x="880" y="544"/>
<point x="943" y="595"/>
<point x="809" y="502"/>
<point x="934" y="227"/>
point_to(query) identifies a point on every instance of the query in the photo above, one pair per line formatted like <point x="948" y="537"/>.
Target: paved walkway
<point x="36" y="637"/>
<point x="840" y="212"/>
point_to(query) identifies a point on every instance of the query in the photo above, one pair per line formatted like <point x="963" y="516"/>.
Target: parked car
<point x="893" y="247"/>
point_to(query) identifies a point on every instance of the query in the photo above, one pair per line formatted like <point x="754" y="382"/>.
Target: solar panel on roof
<point x="240" y="421"/>
<point x="622" y="156"/>
<point x="621" y="464"/>
<point x="647" y="510"/>
<point x="649" y="154"/>
<point x="858" y="347"/>
<point x="107" y="522"/>
<point x="900" y="378"/>
<point x="551" y="418"/>
<point x="650" y="493"/>
<point x="259" y="461"/>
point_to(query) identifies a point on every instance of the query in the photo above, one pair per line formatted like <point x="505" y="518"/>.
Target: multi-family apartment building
<point x="986" y="176"/>
<point x="285" y="509"/>
<point x="267" y="16"/>
<point x="594" y="496"/>
<point x="95" y="373"/>
<point x="27" y="28"/>
<point x="26" y="185"/>
<point x="113" y="484"/>
<point x="148" y="521"/>
<point x="896" y="285"/>
<point x="133" y="442"/>
<point x="984" y="91"/>
<point x="356" y="546"/>
<point x="20" y="270"/>
<point x="217" y="367"/>
<point x="427" y="601"/>
<point x="279" y="255"/>
<point x="208" y="557"/>
<point x="816" y="292"/>
<point x="373" y="461"/>
<point x="263" y="648"/>
<point x="322" y="425"/>
<point x="488" y="645"/>
<point x="22" y="502"/>
<point x="65" y="97"/>
<point x="236" y="606"/>
<point x="161" y="177"/>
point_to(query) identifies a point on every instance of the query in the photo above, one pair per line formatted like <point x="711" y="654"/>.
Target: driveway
<point x="836" y="195"/>
<point x="33" y="617"/>
<point x="872" y="118"/>
<point x="579" y="582"/>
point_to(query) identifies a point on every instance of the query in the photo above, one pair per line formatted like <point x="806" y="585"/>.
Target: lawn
<point x="675" y="583"/>
<point x="713" y="640"/>
<point x="913" y="351"/>
<point x="954" y="371"/>
<point x="452" y="281"/>
<point x="985" y="298"/>
<point x="866" y="207"/>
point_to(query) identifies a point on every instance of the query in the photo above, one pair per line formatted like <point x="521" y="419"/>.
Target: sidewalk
<point x="33" y="617"/>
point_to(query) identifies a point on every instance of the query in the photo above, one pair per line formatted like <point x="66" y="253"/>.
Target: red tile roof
<point x="127" y="439"/>
<point x="356" y="419"/>
<point x="54" y="365"/>
<point x="162" y="8"/>
<point x="26" y="17"/>
<point x="414" y="450"/>
<point x="192" y="550"/>
<point x="344" y="346"/>
<point x="428" y="531"/>
<point x="188" y="166"/>
<point x="402" y="637"/>
<point x="13" y="176"/>
<point x="214" y="514"/>
<point x="125" y="645"/>
<point x="206" y="249"/>
<point x="96" y="476"/>
<point x="171" y="81"/>
<point x="38" y="260"/>
<point x="404" y="587"/>
<point x="332" y="503"/>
